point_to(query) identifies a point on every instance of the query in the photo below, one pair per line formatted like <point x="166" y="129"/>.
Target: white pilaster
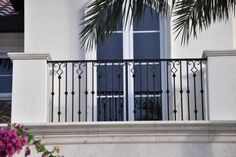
<point x="221" y="82"/>
<point x="30" y="88"/>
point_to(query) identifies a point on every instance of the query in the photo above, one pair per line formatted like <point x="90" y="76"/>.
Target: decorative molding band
<point x="218" y="53"/>
<point x="27" y="56"/>
<point x="135" y="132"/>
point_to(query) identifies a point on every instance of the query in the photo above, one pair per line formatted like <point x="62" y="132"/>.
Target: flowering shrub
<point x="14" y="137"/>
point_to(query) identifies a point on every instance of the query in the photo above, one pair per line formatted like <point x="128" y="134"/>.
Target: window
<point x="5" y="87"/>
<point x="140" y="43"/>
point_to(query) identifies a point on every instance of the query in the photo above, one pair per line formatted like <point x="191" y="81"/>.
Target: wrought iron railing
<point x="123" y="90"/>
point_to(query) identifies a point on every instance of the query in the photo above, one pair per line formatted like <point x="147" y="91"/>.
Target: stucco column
<point x="29" y="89"/>
<point x="221" y="84"/>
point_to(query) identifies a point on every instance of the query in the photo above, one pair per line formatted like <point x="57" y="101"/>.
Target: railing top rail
<point x="130" y="60"/>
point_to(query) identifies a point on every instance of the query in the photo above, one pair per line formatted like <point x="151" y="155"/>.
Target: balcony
<point x="127" y="90"/>
<point x="123" y="90"/>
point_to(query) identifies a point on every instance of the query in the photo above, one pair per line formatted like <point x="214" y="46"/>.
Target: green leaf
<point x="29" y="137"/>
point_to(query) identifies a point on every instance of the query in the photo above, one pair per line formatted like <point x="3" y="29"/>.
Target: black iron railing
<point x="122" y="90"/>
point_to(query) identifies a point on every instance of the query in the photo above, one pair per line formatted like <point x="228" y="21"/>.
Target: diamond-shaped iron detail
<point x="194" y="69"/>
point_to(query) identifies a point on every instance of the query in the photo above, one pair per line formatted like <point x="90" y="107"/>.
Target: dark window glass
<point x="112" y="48"/>
<point x="146" y="45"/>
<point x="147" y="78"/>
<point x="5" y="84"/>
<point x="110" y="79"/>
<point x="147" y="108"/>
<point x="110" y="109"/>
<point x="149" y="21"/>
<point x="5" y="79"/>
<point x="5" y="110"/>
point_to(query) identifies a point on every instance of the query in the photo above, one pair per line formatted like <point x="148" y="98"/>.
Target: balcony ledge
<point x="135" y="132"/>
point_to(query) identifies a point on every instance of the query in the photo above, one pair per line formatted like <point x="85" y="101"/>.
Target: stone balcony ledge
<point x="135" y="132"/>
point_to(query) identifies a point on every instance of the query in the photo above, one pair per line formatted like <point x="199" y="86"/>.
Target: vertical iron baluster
<point x="52" y="93"/>
<point x="112" y="90"/>
<point x="133" y="70"/>
<point x="194" y="71"/>
<point x="167" y="90"/>
<point x="140" y="84"/>
<point x="99" y="94"/>
<point x="86" y="91"/>
<point x="188" y="91"/>
<point x="174" y="70"/>
<point x="79" y="77"/>
<point x="202" y="91"/>
<point x="59" y="72"/>
<point x="92" y="92"/>
<point x="105" y="101"/>
<point x="73" y="90"/>
<point x="147" y="95"/>
<point x="154" y="93"/>
<point x="126" y="89"/>
<point x="66" y="93"/>
<point x="181" y="90"/>
<point x="120" y="105"/>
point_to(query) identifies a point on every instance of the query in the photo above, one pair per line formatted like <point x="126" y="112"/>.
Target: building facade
<point x="138" y="94"/>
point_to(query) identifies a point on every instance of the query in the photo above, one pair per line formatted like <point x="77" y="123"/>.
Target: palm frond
<point x="193" y="16"/>
<point x="103" y="16"/>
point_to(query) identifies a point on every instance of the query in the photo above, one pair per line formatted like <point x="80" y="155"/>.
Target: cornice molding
<point x="218" y="53"/>
<point x="29" y="56"/>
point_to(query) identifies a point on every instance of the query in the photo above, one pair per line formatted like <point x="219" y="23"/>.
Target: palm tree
<point x="188" y="16"/>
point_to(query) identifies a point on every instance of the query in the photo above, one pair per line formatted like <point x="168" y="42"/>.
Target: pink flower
<point x="10" y="142"/>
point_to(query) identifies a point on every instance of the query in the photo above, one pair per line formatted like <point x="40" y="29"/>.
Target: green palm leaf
<point x="193" y="16"/>
<point x="189" y="16"/>
<point x="102" y="16"/>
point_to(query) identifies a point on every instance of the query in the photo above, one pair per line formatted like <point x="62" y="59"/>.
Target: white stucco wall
<point x="220" y="36"/>
<point x="53" y="27"/>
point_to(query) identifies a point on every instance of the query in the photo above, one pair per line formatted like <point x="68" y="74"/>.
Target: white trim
<point x="134" y="132"/>
<point x="137" y="32"/>
<point x="32" y="56"/>
<point x="5" y="75"/>
<point x="165" y="43"/>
